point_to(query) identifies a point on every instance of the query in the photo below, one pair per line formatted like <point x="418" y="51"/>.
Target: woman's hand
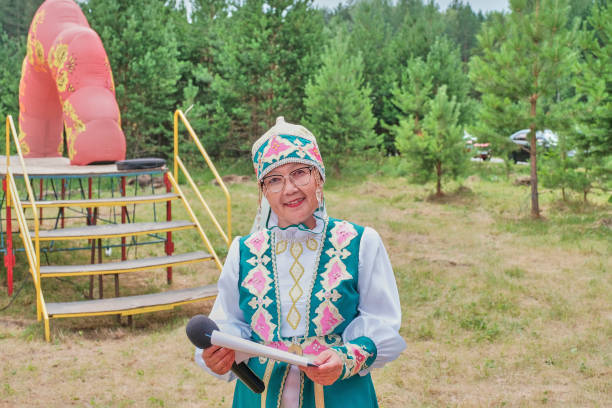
<point x="218" y="359"/>
<point x="328" y="370"/>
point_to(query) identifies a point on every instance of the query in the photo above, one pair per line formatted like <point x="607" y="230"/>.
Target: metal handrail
<point x="32" y="250"/>
<point x="23" y="225"/>
<point x="202" y="201"/>
<point x="179" y="163"/>
<point x="24" y="231"/>
<point x="195" y="220"/>
<point x="11" y="125"/>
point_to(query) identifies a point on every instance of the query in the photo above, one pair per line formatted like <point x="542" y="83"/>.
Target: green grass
<point x="497" y="309"/>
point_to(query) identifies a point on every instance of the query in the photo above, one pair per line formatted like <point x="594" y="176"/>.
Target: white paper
<point x="247" y="348"/>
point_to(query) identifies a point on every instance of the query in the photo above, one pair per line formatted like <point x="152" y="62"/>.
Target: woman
<point x="305" y="283"/>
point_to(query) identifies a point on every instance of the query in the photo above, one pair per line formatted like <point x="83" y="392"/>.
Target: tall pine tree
<point x="422" y="24"/>
<point x="421" y="80"/>
<point x="12" y="52"/>
<point x="462" y="25"/>
<point x="142" y="49"/>
<point x="435" y="150"/>
<point x="371" y="35"/>
<point x="524" y="61"/>
<point x="594" y="85"/>
<point x="269" y="50"/>
<point x="199" y="31"/>
<point x="338" y="106"/>
<point x="15" y="19"/>
<point x="16" y="16"/>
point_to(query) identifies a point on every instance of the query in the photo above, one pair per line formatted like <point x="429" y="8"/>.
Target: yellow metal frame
<point x="119" y="271"/>
<point x="12" y="195"/>
<point x="195" y="221"/>
<point x="32" y="244"/>
<point x="129" y="312"/>
<point x="118" y="202"/>
<point x="178" y="163"/>
<point x="114" y="235"/>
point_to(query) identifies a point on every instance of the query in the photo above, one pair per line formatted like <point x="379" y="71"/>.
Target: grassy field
<point x="498" y="310"/>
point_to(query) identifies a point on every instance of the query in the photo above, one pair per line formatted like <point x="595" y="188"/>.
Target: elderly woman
<point x="305" y="283"/>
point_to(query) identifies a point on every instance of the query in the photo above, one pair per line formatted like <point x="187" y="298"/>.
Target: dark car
<point x="545" y="139"/>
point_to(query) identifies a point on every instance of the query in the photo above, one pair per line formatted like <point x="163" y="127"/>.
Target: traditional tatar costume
<point x="305" y="290"/>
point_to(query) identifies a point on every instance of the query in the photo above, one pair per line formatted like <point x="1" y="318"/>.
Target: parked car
<point x="478" y="150"/>
<point x="545" y="139"/>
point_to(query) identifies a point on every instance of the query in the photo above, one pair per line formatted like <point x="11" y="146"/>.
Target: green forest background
<point x="371" y="78"/>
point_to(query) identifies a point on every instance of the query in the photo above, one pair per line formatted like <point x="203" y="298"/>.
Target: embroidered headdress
<point x="285" y="143"/>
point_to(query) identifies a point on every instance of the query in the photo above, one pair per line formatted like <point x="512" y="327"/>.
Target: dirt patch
<point x="11" y="323"/>
<point x="233" y="179"/>
<point x="462" y="195"/>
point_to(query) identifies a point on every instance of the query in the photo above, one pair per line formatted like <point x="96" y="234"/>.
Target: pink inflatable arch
<point x="66" y="80"/>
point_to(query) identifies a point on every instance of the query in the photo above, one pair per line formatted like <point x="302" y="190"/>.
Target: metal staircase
<point x="87" y="229"/>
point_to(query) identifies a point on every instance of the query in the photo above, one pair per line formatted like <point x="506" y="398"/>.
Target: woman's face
<point x="293" y="204"/>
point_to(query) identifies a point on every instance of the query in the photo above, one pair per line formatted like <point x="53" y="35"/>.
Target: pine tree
<point x="142" y="49"/>
<point x="435" y="151"/>
<point x="562" y="171"/>
<point x="421" y="26"/>
<point x="524" y="63"/>
<point x="446" y="68"/>
<point x="421" y="80"/>
<point x="12" y="52"/>
<point x="15" y="19"/>
<point x="338" y="108"/>
<point x="412" y="99"/>
<point x="269" y="50"/>
<point x="371" y="34"/>
<point x="462" y="25"/>
<point x="594" y="85"/>
<point x="16" y="16"/>
<point x="199" y="32"/>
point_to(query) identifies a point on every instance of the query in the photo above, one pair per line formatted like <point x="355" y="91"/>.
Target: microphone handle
<point x="248" y="377"/>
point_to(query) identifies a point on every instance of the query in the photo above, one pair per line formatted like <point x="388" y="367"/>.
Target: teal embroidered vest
<point x="333" y="304"/>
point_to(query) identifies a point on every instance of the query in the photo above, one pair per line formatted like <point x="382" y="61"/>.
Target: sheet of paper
<point x="246" y="349"/>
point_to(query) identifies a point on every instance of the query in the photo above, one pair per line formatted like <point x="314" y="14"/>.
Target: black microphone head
<point x="199" y="330"/>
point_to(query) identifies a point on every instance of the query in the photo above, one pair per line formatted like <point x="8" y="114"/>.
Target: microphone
<point x="199" y="330"/>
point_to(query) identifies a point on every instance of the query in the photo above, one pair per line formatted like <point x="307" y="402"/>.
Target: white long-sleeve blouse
<point x="379" y="315"/>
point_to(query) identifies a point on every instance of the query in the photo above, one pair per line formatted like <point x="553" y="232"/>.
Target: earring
<point x="319" y="195"/>
<point x="258" y="215"/>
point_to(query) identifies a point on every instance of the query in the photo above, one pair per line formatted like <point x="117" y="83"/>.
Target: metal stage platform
<point x="60" y="167"/>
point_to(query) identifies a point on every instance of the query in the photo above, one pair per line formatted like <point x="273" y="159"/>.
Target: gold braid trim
<point x="319" y="396"/>
<point x="266" y="380"/>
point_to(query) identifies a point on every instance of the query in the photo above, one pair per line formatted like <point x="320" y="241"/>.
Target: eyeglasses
<point x="299" y="177"/>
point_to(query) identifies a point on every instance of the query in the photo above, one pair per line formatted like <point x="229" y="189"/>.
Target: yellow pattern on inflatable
<point x="66" y="83"/>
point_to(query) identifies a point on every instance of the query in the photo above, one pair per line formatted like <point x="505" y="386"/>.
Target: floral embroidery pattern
<point x="315" y="348"/>
<point x="327" y="315"/>
<point x="280" y="147"/>
<point x="74" y="126"/>
<point x="258" y="282"/>
<point x="311" y="345"/>
<point x="276" y="149"/>
<point x="354" y="357"/>
<point x="314" y="152"/>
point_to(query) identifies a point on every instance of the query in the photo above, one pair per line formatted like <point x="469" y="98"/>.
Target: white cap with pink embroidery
<point x="285" y="143"/>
